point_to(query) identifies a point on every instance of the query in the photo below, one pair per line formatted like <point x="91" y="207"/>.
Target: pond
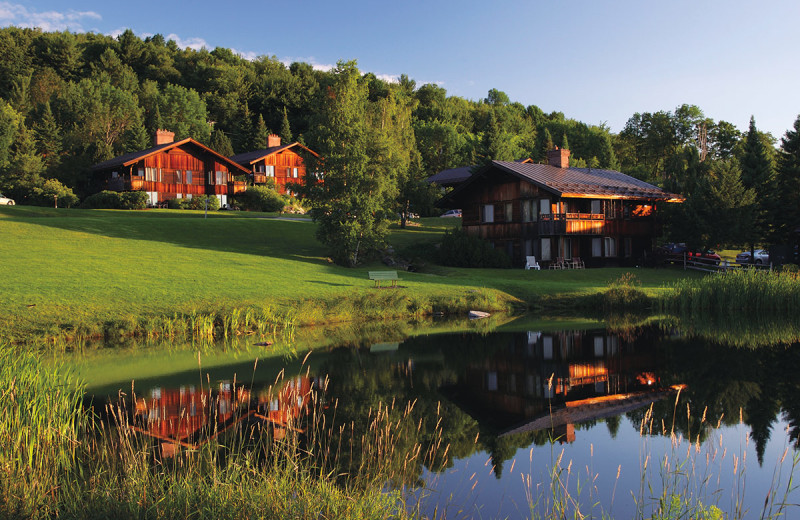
<point x="508" y="417"/>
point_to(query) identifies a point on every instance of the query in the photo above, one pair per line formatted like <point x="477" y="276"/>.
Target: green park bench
<point x="380" y="276"/>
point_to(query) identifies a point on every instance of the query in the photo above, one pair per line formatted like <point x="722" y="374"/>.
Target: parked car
<point x="673" y="253"/>
<point x="451" y="213"/>
<point x="5" y="201"/>
<point x="761" y="257"/>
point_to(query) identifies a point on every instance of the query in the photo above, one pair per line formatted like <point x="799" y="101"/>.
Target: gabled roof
<point x="258" y="155"/>
<point x="574" y="182"/>
<point x="451" y="176"/>
<point x="455" y="176"/>
<point x="129" y="159"/>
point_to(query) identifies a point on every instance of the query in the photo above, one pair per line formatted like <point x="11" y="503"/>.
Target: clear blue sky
<point x="594" y="60"/>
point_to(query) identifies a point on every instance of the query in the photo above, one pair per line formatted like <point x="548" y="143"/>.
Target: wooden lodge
<point x="172" y="169"/>
<point x="560" y="215"/>
<point x="280" y="162"/>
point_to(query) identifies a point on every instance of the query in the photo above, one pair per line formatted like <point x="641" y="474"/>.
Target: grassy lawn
<point x="67" y="267"/>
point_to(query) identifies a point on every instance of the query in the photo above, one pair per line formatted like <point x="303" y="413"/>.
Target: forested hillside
<point x="70" y="100"/>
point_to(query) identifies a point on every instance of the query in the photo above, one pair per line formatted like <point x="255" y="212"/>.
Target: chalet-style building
<point x="280" y="162"/>
<point x="172" y="170"/>
<point x="560" y="214"/>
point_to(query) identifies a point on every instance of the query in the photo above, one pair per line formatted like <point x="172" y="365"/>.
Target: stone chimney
<point x="273" y="140"/>
<point x="163" y="137"/>
<point x="558" y="158"/>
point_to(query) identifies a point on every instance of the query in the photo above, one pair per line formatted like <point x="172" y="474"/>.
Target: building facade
<point x="279" y="162"/>
<point x="172" y="170"/>
<point x="561" y="215"/>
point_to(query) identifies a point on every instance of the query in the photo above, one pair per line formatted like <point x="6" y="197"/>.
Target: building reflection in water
<point x="190" y="417"/>
<point x="554" y="380"/>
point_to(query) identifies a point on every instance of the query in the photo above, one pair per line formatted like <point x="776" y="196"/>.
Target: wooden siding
<point x="571" y="223"/>
<point x="284" y="163"/>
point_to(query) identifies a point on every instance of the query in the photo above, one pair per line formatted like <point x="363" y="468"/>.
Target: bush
<point x="459" y="249"/>
<point x="45" y="193"/>
<point x="260" y="198"/>
<point x="103" y="200"/>
<point x="133" y="200"/>
<point x="199" y="202"/>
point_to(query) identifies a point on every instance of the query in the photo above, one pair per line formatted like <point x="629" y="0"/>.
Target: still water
<point x="511" y="416"/>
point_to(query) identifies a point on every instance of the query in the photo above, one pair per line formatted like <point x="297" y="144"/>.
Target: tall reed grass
<point x="750" y="290"/>
<point x="692" y="480"/>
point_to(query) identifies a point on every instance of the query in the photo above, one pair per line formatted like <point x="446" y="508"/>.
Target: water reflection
<point x="454" y="397"/>
<point x="191" y="417"/>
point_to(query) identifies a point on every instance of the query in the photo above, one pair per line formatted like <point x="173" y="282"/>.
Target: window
<point x="270" y="170"/>
<point x="139" y="172"/>
<point x="597" y="207"/>
<point x="544" y="207"/>
<point x="151" y="174"/>
<point x="526" y="211"/>
<point x="597" y="247"/>
<point x="487" y="213"/>
<point x="566" y="252"/>
<point x="546" y="255"/>
<point x="178" y="177"/>
<point x="220" y="177"/>
<point x="294" y="173"/>
<point x="628" y="247"/>
<point x="188" y="177"/>
<point x="114" y="175"/>
<point x="611" y="246"/>
<point x="509" y="212"/>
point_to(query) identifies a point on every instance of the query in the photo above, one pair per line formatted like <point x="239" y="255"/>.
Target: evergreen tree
<point x="220" y="143"/>
<point x="260" y="136"/>
<point x="758" y="174"/>
<point x="547" y="144"/>
<point x="48" y="137"/>
<point x="564" y="142"/>
<point x="286" y="130"/>
<point x="788" y="216"/>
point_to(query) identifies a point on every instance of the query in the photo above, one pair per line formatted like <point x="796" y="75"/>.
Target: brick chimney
<point x="273" y="140"/>
<point x="163" y="137"/>
<point x="558" y="158"/>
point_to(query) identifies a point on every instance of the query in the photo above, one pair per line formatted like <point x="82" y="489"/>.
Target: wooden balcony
<point x="139" y="184"/>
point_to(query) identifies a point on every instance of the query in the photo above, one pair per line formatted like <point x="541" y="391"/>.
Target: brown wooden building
<point x="557" y="213"/>
<point x="172" y="169"/>
<point x="280" y="162"/>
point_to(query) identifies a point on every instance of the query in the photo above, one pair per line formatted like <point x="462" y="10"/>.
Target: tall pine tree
<point x="286" y="130"/>
<point x="758" y="174"/>
<point x="788" y="217"/>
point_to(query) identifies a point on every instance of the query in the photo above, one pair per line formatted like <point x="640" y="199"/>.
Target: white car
<point x="762" y="257"/>
<point x="5" y="201"/>
<point x="452" y="213"/>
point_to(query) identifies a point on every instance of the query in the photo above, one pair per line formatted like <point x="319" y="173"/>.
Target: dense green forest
<point x="68" y="101"/>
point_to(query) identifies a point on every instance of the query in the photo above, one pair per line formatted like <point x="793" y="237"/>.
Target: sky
<point x="598" y="61"/>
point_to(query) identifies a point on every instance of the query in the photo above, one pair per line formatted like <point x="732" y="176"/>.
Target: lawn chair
<point x="531" y="263"/>
<point x="577" y="263"/>
<point x="558" y="264"/>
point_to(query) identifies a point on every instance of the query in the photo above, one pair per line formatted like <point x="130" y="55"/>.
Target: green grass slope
<point x="66" y="268"/>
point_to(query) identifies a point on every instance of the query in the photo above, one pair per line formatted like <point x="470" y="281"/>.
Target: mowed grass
<point x="66" y="268"/>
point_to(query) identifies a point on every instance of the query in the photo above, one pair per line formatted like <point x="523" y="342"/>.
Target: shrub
<point x="458" y="249"/>
<point x="103" y="200"/>
<point x="133" y="200"/>
<point x="260" y="198"/>
<point x="199" y="202"/>
<point x="44" y="194"/>
<point x="176" y="203"/>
